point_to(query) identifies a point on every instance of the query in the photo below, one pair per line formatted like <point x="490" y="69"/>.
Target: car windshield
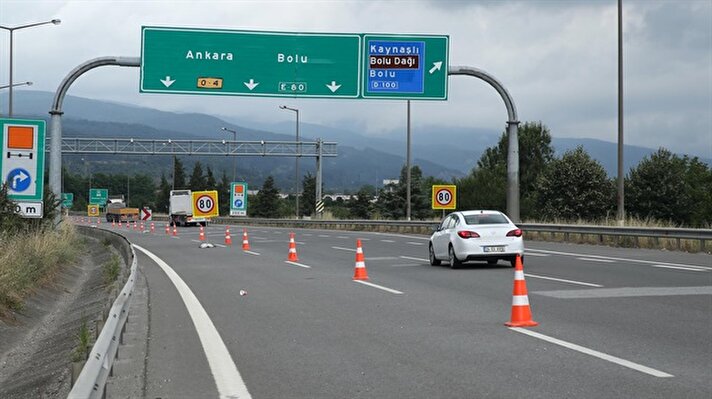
<point x="486" y="218"/>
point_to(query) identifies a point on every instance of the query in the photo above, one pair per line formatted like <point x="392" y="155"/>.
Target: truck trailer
<point x="180" y="209"/>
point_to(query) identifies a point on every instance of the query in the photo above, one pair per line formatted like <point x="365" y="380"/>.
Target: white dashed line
<point x="415" y="243"/>
<point x="324" y="236"/>
<point x="297" y="264"/>
<point x="392" y="291"/>
<point x="252" y="253"/>
<point x="387" y="241"/>
<point x="344" y="249"/>
<point x="563" y="280"/>
<point x="535" y="254"/>
<point x="647" y="262"/>
<point x="411" y="258"/>
<point x="596" y="260"/>
<point x="591" y="352"/>
<point x="692" y="269"/>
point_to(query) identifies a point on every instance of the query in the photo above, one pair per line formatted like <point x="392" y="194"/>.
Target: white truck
<point x="180" y="209"/>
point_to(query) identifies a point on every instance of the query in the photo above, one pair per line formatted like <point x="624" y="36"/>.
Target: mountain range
<point x="443" y="152"/>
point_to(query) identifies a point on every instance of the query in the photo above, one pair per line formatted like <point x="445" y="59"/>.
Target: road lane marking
<point x="307" y="235"/>
<point x="380" y="287"/>
<point x="344" y="249"/>
<point x="626" y="292"/>
<point x="563" y="280"/>
<point x="297" y="264"/>
<point x="407" y="265"/>
<point x="692" y="269"/>
<point x="527" y="253"/>
<point x="381" y="258"/>
<point x="323" y="236"/>
<point x="415" y="243"/>
<point x="596" y="260"/>
<point x="343" y="237"/>
<point x="252" y="253"/>
<point x="647" y="262"/>
<point x="591" y="352"/>
<point x="411" y="258"/>
<point x="220" y="245"/>
<point x="387" y="241"/>
<point x="227" y="378"/>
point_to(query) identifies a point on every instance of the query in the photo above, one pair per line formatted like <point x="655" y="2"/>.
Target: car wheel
<point x="492" y="261"/>
<point x="454" y="262"/>
<point x="431" y="254"/>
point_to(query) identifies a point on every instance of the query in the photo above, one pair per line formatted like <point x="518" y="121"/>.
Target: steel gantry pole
<point x="512" y="133"/>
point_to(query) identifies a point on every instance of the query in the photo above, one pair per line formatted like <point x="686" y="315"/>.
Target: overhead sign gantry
<point x="284" y="64"/>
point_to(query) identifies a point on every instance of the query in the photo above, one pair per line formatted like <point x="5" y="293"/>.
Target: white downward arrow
<point x="436" y="67"/>
<point x="333" y="86"/>
<point x="251" y="84"/>
<point x="167" y="81"/>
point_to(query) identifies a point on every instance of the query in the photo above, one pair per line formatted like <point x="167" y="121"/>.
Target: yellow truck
<point x="116" y="210"/>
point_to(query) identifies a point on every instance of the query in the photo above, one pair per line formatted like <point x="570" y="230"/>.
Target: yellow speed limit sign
<point x="444" y="197"/>
<point x="205" y="204"/>
<point x="92" y="210"/>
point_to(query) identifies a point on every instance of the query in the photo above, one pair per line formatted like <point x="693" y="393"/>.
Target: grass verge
<point x="29" y="260"/>
<point x="111" y="269"/>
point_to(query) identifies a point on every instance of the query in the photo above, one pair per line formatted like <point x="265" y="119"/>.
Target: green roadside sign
<point x="288" y="64"/>
<point x="228" y="62"/>
<point x="67" y="200"/>
<point x="98" y="196"/>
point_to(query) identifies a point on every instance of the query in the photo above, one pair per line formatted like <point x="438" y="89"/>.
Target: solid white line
<point x="227" y="378"/>
<point x="411" y="258"/>
<point x="564" y="281"/>
<point x="297" y="264"/>
<point x="647" y="262"/>
<point x="527" y="253"/>
<point x="392" y="291"/>
<point x="596" y="260"/>
<point x="591" y="352"/>
<point x="415" y="243"/>
<point x="681" y="268"/>
<point x="344" y="249"/>
<point x="252" y="253"/>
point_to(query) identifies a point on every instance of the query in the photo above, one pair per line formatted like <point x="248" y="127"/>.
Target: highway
<point x="614" y="322"/>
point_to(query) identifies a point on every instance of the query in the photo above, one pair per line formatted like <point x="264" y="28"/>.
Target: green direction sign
<point x="238" y="199"/>
<point x="98" y="196"/>
<point x="405" y="67"/>
<point x="246" y="63"/>
<point x="67" y="200"/>
<point x="22" y="155"/>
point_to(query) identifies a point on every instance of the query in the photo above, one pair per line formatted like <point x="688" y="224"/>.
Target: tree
<point x="224" y="194"/>
<point x="267" y="201"/>
<point x="307" y="204"/>
<point x="360" y="205"/>
<point x="392" y="200"/>
<point x="575" y="187"/>
<point x="210" y="183"/>
<point x="668" y="187"/>
<point x="164" y="191"/>
<point x="486" y="186"/>
<point x="178" y="174"/>
<point x="197" y="180"/>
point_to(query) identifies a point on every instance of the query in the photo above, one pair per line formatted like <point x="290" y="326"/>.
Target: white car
<point x="476" y="235"/>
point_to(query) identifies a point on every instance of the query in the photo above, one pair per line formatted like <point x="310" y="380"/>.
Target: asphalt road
<point x="614" y="323"/>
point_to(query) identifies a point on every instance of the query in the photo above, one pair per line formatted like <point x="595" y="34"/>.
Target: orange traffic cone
<point x="175" y="230"/>
<point x="245" y="241"/>
<point x="292" y="249"/>
<point x="168" y="229"/>
<point x="120" y="223"/>
<point x="143" y="227"/>
<point x="228" y="239"/>
<point x="360" y="269"/>
<point x="98" y="220"/>
<point x="113" y="223"/>
<point x="153" y="228"/>
<point x="135" y="225"/>
<point x="521" y="312"/>
<point x="202" y="234"/>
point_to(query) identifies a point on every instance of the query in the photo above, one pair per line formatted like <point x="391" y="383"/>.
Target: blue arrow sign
<point x="19" y="179"/>
<point x="238" y="203"/>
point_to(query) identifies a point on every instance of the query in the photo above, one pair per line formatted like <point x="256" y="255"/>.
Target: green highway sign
<point x="238" y="199"/>
<point x="67" y="200"/>
<point x="98" y="196"/>
<point x="405" y="67"/>
<point x="229" y="62"/>
<point x="287" y="64"/>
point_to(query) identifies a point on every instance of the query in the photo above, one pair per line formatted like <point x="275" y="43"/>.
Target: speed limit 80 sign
<point x="205" y="203"/>
<point x="444" y="197"/>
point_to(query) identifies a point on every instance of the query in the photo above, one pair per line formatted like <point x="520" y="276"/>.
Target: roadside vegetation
<point x="31" y="251"/>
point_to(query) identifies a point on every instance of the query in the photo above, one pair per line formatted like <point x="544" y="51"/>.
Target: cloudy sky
<point x="557" y="58"/>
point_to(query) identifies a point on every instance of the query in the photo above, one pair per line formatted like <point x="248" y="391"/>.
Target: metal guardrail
<point x="703" y="236"/>
<point x="92" y="380"/>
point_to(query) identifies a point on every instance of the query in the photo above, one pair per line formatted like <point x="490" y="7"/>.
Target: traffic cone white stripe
<point x="360" y="264"/>
<point x="520" y="300"/>
<point x="519" y="275"/>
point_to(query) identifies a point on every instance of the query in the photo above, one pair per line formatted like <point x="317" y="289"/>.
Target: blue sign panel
<point x="19" y="179"/>
<point x="395" y="66"/>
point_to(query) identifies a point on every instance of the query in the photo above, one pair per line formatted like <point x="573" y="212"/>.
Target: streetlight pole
<point x="16" y="84"/>
<point x="234" y="159"/>
<point x="296" y="166"/>
<point x="11" y="30"/>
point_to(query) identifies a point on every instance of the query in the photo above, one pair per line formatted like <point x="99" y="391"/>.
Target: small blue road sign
<point x="19" y="179"/>
<point x="238" y="203"/>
